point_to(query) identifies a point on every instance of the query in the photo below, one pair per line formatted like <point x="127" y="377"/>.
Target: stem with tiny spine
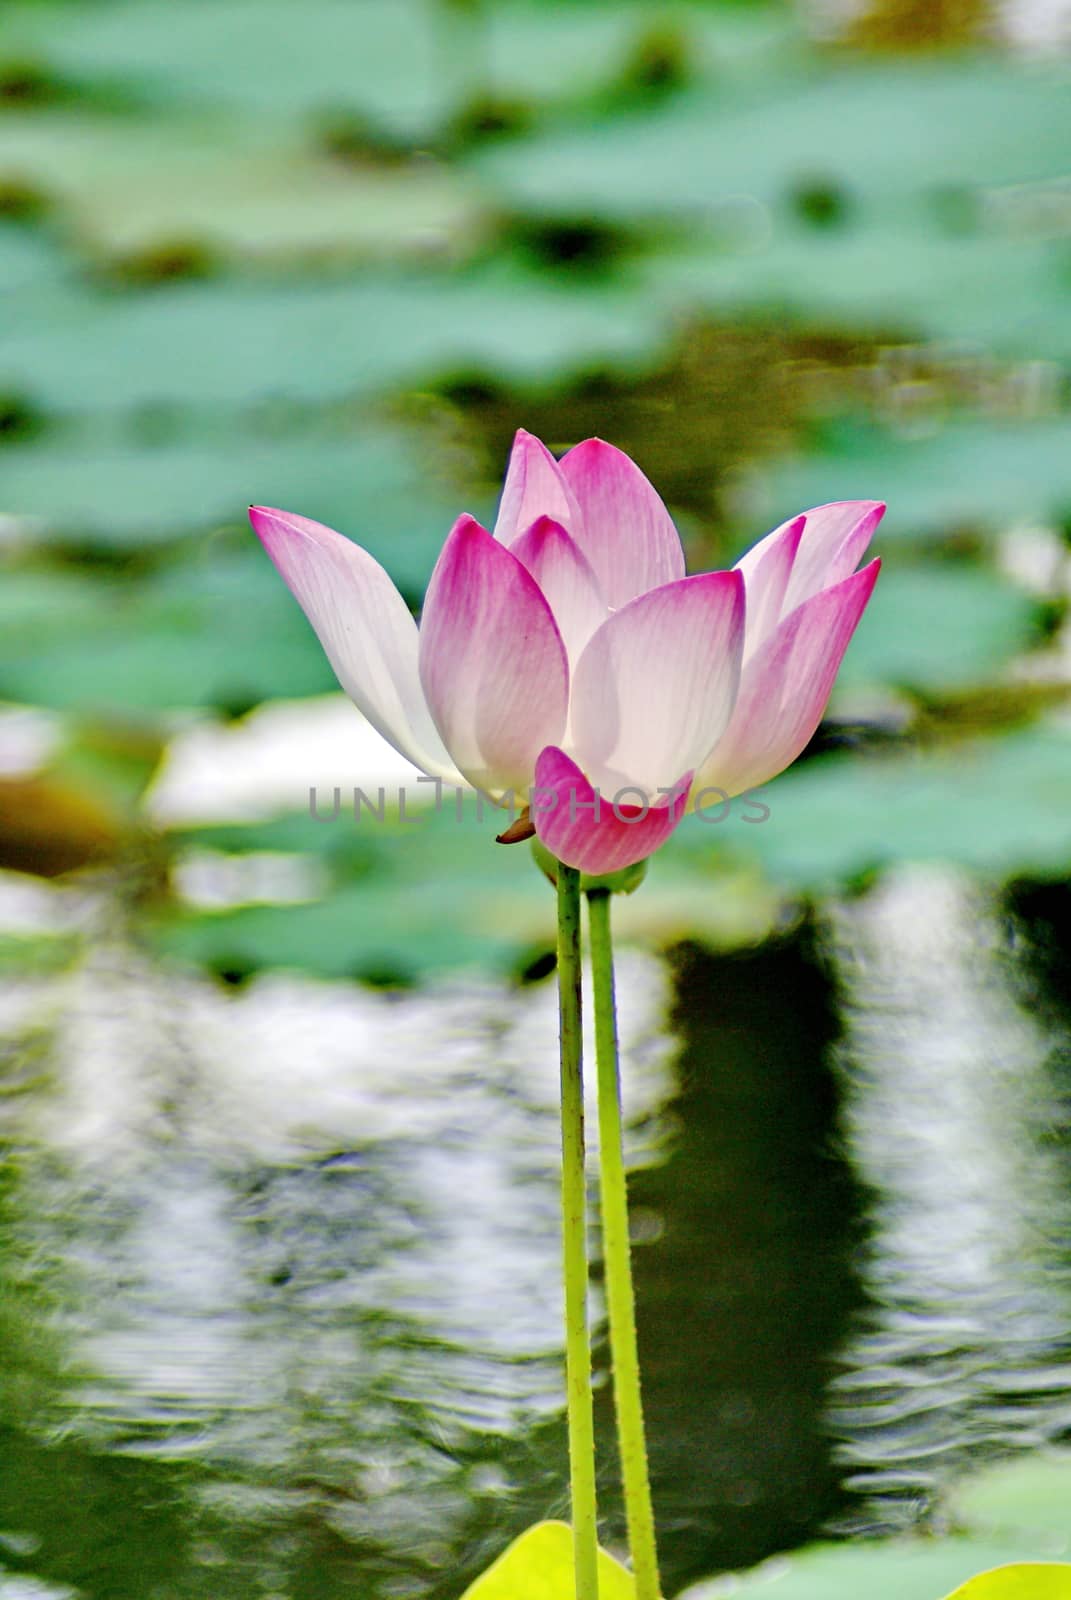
<point x="616" y="1259"/>
<point x="574" y="1242"/>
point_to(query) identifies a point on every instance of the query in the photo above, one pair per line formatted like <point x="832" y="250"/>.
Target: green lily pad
<point x="1011" y="1510"/>
<point x="905" y="226"/>
<point x="27" y="258"/>
<point x="408" y="898"/>
<point x="1029" y="1496"/>
<point x="394" y="63"/>
<point x="127" y="186"/>
<point x="982" y="476"/>
<point x="966" y="624"/>
<point x="223" y="343"/>
<point x="539" y="1566"/>
<point x="892" y="271"/>
<point x="999" y="806"/>
<point x="882" y="1569"/>
<point x="378" y="58"/>
<point x="432" y="895"/>
<point x="373" y="484"/>
<point x="224" y="636"/>
<point x="881" y="131"/>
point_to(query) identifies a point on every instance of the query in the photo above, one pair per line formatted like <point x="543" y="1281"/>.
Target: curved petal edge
<point x="366" y="629"/>
<point x="594" y="832"/>
<point x="785" y="686"/>
<point x="534" y="487"/>
<point x="627" y="534"/>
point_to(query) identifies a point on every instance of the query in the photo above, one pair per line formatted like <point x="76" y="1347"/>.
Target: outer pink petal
<point x="655" y="688"/>
<point x="566" y="579"/>
<point x="785" y="686"/>
<point x="584" y="830"/>
<point x="364" y="625"/>
<point x="627" y="534"/>
<point x="492" y="661"/>
<point x="534" y="487"/>
<point x="831" y="546"/>
<point x="834" y="542"/>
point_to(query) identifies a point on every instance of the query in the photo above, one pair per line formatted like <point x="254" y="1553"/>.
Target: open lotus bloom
<point x="566" y="657"/>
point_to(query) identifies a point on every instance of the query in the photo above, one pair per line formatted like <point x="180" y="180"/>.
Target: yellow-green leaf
<point x="539" y="1566"/>
<point x="1026" y="1580"/>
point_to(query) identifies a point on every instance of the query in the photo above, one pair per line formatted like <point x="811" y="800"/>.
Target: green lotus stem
<point x="620" y="1298"/>
<point x="575" y="1242"/>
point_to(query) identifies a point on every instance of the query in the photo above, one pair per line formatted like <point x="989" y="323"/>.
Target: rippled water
<point x="279" y="1275"/>
<point x="956" y="1114"/>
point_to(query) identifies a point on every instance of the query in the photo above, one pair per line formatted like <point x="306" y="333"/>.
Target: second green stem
<point x="574" y="1236"/>
<point x="617" y="1261"/>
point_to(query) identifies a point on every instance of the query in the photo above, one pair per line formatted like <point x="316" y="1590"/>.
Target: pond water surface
<point x="280" y="1262"/>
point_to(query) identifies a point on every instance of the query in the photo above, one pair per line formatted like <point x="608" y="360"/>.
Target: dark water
<point x="279" y="1296"/>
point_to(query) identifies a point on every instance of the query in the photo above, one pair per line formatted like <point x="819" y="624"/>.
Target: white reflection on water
<point x="1033" y="26"/>
<point x="28" y="736"/>
<point x="949" y="1102"/>
<point x="267" y="762"/>
<point x="22" y="1588"/>
<point x="302" y="1226"/>
<point x="1036" y="24"/>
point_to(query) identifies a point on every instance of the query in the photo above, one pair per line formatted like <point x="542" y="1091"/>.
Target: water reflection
<point x="751" y="1285"/>
<point x="951" y="1114"/>
<point x="279" y="1293"/>
<point x="296" y="1246"/>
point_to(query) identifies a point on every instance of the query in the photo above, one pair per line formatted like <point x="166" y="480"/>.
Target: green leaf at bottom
<point x="1026" y="1580"/>
<point x="539" y="1566"/>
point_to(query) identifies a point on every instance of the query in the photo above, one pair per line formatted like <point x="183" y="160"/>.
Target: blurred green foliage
<point x="329" y="258"/>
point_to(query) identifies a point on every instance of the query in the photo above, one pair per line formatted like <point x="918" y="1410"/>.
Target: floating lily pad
<point x="224" y="634"/>
<point x="404" y="65"/>
<point x="1025" y="1497"/>
<point x="966" y="624"/>
<point x="205" y="344"/>
<point x="888" y="1569"/>
<point x="125" y="187"/>
<point x="883" y="130"/>
<point x="980" y="476"/>
<point x="379" y="56"/>
<point x="410" y="898"/>
<point x="949" y="184"/>
<point x="889" y="270"/>
<point x="998" y="806"/>
<point x="371" y="483"/>
<point x="426" y="896"/>
<point x="1010" y="1511"/>
<point x="26" y="258"/>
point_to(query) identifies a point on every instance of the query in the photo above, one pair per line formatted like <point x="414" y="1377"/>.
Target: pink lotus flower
<point x="568" y="657"/>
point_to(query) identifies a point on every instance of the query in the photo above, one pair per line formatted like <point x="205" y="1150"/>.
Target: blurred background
<point x="278" y="1231"/>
